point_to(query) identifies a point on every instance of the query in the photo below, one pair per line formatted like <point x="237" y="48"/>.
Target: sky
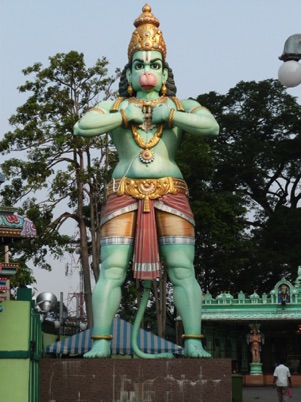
<point x="211" y="46"/>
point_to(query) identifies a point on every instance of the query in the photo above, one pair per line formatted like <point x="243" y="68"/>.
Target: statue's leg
<point x="116" y="251"/>
<point x="176" y="239"/>
<point x="187" y="294"/>
<point x="107" y="294"/>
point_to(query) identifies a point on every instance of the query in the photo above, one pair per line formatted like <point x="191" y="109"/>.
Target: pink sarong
<point x="146" y="260"/>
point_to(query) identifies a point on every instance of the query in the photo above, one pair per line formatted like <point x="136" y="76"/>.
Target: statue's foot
<point x="100" y="349"/>
<point x="194" y="348"/>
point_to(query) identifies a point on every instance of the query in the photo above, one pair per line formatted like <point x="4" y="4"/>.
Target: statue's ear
<point x="128" y="75"/>
<point x="165" y="74"/>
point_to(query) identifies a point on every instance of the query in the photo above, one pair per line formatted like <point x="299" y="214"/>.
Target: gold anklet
<point x="98" y="337"/>
<point x="192" y="336"/>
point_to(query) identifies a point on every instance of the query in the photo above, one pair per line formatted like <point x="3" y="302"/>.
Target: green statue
<point x="147" y="215"/>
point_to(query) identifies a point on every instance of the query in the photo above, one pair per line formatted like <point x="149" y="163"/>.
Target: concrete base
<point x="256" y="368"/>
<point x="267" y="380"/>
<point x="135" y="380"/>
<point x="255" y="380"/>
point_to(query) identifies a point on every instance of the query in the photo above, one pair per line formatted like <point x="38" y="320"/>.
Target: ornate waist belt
<point x="147" y="189"/>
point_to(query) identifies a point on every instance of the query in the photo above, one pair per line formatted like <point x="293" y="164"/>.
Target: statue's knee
<point x="180" y="265"/>
<point x="113" y="273"/>
<point x="179" y="274"/>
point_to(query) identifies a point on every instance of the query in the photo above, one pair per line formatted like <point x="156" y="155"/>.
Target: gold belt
<point x="146" y="189"/>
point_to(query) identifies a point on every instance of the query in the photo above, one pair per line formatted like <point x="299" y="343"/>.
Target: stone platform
<point x="135" y="380"/>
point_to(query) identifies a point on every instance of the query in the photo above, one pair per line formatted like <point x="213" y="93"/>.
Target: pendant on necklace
<point x="146" y="156"/>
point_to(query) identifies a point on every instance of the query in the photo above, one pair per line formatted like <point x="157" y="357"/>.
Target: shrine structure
<point x="228" y="323"/>
<point x="13" y="228"/>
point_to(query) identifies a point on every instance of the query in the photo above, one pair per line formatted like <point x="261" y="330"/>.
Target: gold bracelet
<point x="192" y="336"/>
<point x="124" y="119"/>
<point x="97" y="109"/>
<point x="170" y="118"/>
<point x="98" y="337"/>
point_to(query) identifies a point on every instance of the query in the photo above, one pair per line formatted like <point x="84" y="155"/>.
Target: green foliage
<point x="23" y="277"/>
<point x="65" y="173"/>
<point x="130" y="297"/>
<point x="249" y="213"/>
<point x="219" y="214"/>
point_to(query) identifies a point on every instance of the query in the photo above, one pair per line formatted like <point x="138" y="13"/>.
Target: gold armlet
<point x="178" y="104"/>
<point x="124" y="118"/>
<point x="197" y="108"/>
<point x="116" y="104"/>
<point x="170" y="118"/>
<point x="98" y="337"/>
<point x="192" y="336"/>
<point x="97" y="109"/>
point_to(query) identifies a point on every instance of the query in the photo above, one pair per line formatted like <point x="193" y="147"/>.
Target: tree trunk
<point x="84" y="249"/>
<point x="160" y="297"/>
<point x="84" y="256"/>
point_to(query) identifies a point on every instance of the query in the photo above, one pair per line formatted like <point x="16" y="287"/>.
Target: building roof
<point x="283" y="303"/>
<point x="14" y="226"/>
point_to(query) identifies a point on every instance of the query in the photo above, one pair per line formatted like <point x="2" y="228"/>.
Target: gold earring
<point x="163" y="89"/>
<point x="130" y="89"/>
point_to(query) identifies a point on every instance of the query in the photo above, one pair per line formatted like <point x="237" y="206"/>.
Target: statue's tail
<point x="136" y="327"/>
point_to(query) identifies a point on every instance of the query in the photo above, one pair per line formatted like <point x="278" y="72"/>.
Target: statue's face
<point x="147" y="73"/>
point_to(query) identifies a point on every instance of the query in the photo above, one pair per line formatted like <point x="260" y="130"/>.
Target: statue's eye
<point x="156" y="66"/>
<point x="139" y="66"/>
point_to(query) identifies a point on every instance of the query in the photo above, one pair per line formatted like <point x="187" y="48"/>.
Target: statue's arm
<point x="195" y="119"/>
<point x="98" y="120"/>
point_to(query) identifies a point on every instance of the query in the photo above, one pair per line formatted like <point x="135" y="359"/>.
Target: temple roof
<point x="14" y="226"/>
<point x="283" y="303"/>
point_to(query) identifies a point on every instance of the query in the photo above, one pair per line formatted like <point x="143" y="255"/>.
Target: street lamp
<point x="46" y="301"/>
<point x="289" y="73"/>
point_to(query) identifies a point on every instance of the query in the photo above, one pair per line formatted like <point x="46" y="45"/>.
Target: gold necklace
<point x="147" y="107"/>
<point x="146" y="155"/>
<point x="152" y="102"/>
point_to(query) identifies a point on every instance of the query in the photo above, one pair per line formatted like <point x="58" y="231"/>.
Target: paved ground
<point x="266" y="394"/>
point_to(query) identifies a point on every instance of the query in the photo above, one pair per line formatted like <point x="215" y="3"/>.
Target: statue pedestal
<point x="112" y="380"/>
<point x="255" y="368"/>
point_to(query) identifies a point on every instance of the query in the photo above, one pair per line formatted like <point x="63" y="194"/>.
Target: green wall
<point x="15" y="324"/>
<point x="19" y="365"/>
<point x="14" y="380"/>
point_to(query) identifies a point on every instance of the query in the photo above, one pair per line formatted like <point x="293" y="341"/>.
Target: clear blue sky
<point x="211" y="46"/>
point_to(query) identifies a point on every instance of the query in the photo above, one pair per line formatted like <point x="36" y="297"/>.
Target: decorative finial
<point x="146" y="36"/>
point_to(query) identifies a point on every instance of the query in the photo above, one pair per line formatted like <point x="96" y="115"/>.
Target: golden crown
<point x="146" y="36"/>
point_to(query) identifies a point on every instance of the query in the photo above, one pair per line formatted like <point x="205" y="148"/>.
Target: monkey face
<point x="147" y="73"/>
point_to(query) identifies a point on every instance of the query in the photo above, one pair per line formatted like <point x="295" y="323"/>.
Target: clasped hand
<point x="160" y="114"/>
<point x="135" y="114"/>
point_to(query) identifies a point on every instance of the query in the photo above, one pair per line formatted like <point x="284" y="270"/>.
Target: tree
<point x="67" y="174"/>
<point x="221" y="243"/>
<point x="257" y="164"/>
<point x="23" y="277"/>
